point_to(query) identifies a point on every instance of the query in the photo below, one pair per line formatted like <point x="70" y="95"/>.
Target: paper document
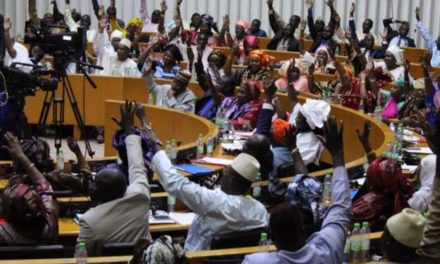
<point x="410" y="168"/>
<point x="422" y="150"/>
<point x="215" y="161"/>
<point x="183" y="218"/>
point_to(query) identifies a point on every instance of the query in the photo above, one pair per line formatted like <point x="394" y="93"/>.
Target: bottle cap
<point x="357" y="225"/>
<point x="264" y="235"/>
<point x="365" y="224"/>
<point x="82" y="245"/>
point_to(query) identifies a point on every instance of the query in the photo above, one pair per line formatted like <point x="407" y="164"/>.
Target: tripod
<point x="58" y="103"/>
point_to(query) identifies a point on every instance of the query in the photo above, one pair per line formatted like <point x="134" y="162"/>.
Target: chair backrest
<point x="118" y="249"/>
<point x="237" y="239"/>
<point x="28" y="252"/>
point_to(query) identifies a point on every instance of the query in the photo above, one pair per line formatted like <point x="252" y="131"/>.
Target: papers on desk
<point x="215" y="161"/>
<point x="160" y="217"/>
<point x="231" y="147"/>
<point x="183" y="218"/>
<point x="422" y="150"/>
<point x="410" y="168"/>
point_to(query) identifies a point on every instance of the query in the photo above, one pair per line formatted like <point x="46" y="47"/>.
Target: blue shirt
<point x="161" y="73"/>
<point x="430" y="43"/>
<point x="260" y="33"/>
<point x="325" y="246"/>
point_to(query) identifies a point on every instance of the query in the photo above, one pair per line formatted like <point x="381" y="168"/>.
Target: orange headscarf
<point x="264" y="58"/>
<point x="279" y="127"/>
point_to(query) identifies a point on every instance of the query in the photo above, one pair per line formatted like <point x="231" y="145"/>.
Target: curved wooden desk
<point x="168" y="124"/>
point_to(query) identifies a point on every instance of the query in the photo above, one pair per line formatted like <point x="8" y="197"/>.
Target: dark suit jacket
<point x="393" y="33"/>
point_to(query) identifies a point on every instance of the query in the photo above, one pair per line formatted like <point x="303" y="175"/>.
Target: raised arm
<point x="275" y="20"/>
<point x="96" y="8"/>
<point x="364" y="140"/>
<point x="9" y="45"/>
<point x="302" y="28"/>
<point x="163" y="9"/>
<point x="310" y="21"/>
<point x="427" y="37"/>
<point x="425" y="63"/>
<point x="145" y="16"/>
<point x="73" y="26"/>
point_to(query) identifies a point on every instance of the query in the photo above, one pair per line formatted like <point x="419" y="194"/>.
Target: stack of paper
<point x="183" y="218"/>
<point x="215" y="161"/>
<point x="422" y="150"/>
<point x="160" y="217"/>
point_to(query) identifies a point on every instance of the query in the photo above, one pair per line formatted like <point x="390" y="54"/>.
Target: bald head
<point x="256" y="145"/>
<point x="108" y="185"/>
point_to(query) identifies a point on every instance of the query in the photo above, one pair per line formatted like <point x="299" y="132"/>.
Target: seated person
<point x="324" y="62"/>
<point x="30" y="211"/>
<point x="217" y="211"/>
<point x="421" y="198"/>
<point x="367" y="25"/>
<point x="240" y="33"/>
<point x="301" y="81"/>
<point x="175" y="95"/>
<point x="402" y="236"/>
<point x="324" y="38"/>
<point x="250" y="43"/>
<point x="257" y="67"/>
<point x="398" y="38"/>
<point x="243" y="109"/>
<point x="287" y="232"/>
<point x="114" y="198"/>
<point x="284" y="40"/>
<point x="168" y="66"/>
<point x="255" y="29"/>
<point x="413" y="112"/>
<point x="207" y="26"/>
<point x="432" y="45"/>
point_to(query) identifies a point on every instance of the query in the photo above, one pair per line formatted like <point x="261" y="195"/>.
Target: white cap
<point x="116" y="34"/>
<point x="315" y="112"/>
<point x="407" y="227"/>
<point x="126" y="42"/>
<point x="247" y="166"/>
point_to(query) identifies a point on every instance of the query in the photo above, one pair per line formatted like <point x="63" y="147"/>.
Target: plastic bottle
<point x="399" y="133"/>
<point x="81" y="253"/>
<point x="361" y="106"/>
<point x="326" y="194"/>
<point x="378" y="113"/>
<point x="60" y="160"/>
<point x="210" y="145"/>
<point x="264" y="242"/>
<point x="346" y="257"/>
<point x="365" y="237"/>
<point x="150" y="99"/>
<point x="256" y="191"/>
<point x="173" y="150"/>
<point x="200" y="147"/>
<point x="171" y="202"/>
<point x="365" y="166"/>
<point x="168" y="149"/>
<point x="356" y="244"/>
<point x="393" y="128"/>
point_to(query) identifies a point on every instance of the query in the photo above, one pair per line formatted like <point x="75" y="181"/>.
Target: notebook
<point x="193" y="169"/>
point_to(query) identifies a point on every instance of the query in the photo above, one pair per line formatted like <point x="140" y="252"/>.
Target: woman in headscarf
<point x="324" y="62"/>
<point x="208" y="26"/>
<point x="257" y="69"/>
<point x="250" y="43"/>
<point x="243" y="109"/>
<point x="30" y="211"/>
<point x="413" y="112"/>
<point x="168" y="66"/>
<point x="421" y="198"/>
<point x="300" y="81"/>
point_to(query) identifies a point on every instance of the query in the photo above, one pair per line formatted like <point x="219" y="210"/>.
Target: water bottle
<point x="81" y="253"/>
<point x="168" y="149"/>
<point x="326" y="194"/>
<point x="256" y="191"/>
<point x="365" y="236"/>
<point x="361" y="106"/>
<point x="346" y="257"/>
<point x="378" y="113"/>
<point x="173" y="150"/>
<point x="210" y="145"/>
<point x="399" y="133"/>
<point x="150" y="99"/>
<point x="264" y="242"/>
<point x="200" y="146"/>
<point x="171" y="202"/>
<point x="393" y="128"/>
<point x="356" y="244"/>
<point x="365" y="166"/>
<point x="337" y="50"/>
<point x="60" y="160"/>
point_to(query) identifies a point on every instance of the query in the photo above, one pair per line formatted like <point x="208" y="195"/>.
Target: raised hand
<point x="365" y="134"/>
<point x="101" y="11"/>
<point x="7" y="24"/>
<point x="126" y="122"/>
<point x="179" y="2"/>
<point x="103" y="22"/>
<point x="73" y="145"/>
<point x="303" y="25"/>
<point x="418" y="13"/>
<point x="290" y="69"/>
<point x="269" y="4"/>
<point x="140" y="113"/>
<point x="290" y="138"/>
<point x="384" y="34"/>
<point x="352" y="9"/>
<point x="309" y="4"/>
<point x="163" y="6"/>
<point x="329" y="2"/>
<point x="270" y="89"/>
<point x="14" y="148"/>
<point x="425" y="60"/>
<point x="334" y="140"/>
<point x="226" y="22"/>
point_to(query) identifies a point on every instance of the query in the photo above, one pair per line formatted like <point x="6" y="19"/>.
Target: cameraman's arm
<point x="9" y="45"/>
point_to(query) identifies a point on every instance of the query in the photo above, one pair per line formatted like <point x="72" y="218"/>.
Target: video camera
<point x="64" y="46"/>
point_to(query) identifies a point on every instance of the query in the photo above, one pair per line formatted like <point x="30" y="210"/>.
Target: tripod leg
<point x="48" y="97"/>
<point x="79" y="120"/>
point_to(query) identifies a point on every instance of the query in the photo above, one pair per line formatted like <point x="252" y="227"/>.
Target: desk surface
<point x="68" y="227"/>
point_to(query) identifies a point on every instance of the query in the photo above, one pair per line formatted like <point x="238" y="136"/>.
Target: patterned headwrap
<point x="38" y="151"/>
<point x="264" y="58"/>
<point x="255" y="88"/>
<point x="252" y="40"/>
<point x="21" y="204"/>
<point x="243" y="23"/>
<point x="135" y="21"/>
<point x="279" y="127"/>
<point x="385" y="177"/>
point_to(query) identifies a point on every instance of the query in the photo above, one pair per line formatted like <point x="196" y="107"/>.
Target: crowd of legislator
<point x="375" y="79"/>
